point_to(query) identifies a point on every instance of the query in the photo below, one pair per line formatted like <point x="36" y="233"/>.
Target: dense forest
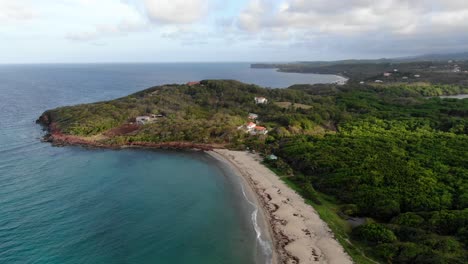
<point x="394" y="154"/>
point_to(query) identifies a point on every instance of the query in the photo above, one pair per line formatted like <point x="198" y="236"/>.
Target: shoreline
<point x="279" y="69"/>
<point x="295" y="229"/>
<point x="298" y="233"/>
<point x="259" y="216"/>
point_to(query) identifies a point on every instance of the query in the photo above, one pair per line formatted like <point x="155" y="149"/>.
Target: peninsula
<point x="382" y="165"/>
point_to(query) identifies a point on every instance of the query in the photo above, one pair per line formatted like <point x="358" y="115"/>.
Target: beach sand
<point x="299" y="235"/>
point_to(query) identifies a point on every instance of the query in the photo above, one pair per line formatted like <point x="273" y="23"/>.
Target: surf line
<point x="266" y="247"/>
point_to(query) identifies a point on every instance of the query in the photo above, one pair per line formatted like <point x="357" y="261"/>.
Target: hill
<point x="392" y="154"/>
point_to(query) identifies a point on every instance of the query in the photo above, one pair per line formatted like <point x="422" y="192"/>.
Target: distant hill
<point x="461" y="56"/>
<point x="438" y="57"/>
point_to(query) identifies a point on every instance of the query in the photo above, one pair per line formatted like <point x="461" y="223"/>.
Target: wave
<point x="266" y="247"/>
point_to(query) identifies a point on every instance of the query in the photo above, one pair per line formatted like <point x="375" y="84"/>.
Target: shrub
<point x="408" y="219"/>
<point x="374" y="233"/>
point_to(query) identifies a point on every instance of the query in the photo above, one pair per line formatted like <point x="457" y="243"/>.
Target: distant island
<point x="383" y="163"/>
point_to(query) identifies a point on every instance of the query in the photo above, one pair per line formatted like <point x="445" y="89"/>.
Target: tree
<point x="374" y="233"/>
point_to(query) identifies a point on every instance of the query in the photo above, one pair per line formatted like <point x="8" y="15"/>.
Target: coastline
<point x="259" y="216"/>
<point x="298" y="233"/>
<point x="279" y="69"/>
<point x="294" y="227"/>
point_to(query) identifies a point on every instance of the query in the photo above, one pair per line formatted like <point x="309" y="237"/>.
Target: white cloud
<point x="176" y="11"/>
<point x="357" y="21"/>
<point x="354" y="16"/>
<point x="16" y="11"/>
<point x="130" y="16"/>
<point x="104" y="18"/>
<point x="100" y="31"/>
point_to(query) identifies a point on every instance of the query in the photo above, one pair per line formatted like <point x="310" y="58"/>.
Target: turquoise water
<point x="73" y="205"/>
<point x="95" y="206"/>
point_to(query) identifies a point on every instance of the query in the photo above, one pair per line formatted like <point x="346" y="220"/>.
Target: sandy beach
<point x="299" y="235"/>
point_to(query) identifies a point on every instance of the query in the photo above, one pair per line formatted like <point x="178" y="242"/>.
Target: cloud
<point x="130" y="16"/>
<point x="176" y="11"/>
<point x="101" y="31"/>
<point x="99" y="19"/>
<point x="358" y="22"/>
<point x="16" y="11"/>
<point x="354" y="16"/>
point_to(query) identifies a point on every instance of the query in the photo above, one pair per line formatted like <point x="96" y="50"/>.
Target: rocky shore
<point x="57" y="138"/>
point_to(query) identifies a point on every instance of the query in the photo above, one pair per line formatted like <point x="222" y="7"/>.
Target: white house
<point x="261" y="100"/>
<point x="378" y="81"/>
<point x="362" y="82"/>
<point x="259" y="130"/>
<point x="253" y="129"/>
<point x="142" y="120"/>
<point x="250" y="126"/>
<point x="417" y="75"/>
<point x="387" y="74"/>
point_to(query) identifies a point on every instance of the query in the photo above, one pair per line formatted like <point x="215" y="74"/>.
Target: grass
<point x="328" y="212"/>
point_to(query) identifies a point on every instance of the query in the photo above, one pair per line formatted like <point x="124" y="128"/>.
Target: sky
<point x="80" y="31"/>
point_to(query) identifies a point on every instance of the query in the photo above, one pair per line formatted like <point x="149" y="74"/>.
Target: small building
<point x="142" y="120"/>
<point x="395" y="70"/>
<point x="405" y="78"/>
<point x="261" y="100"/>
<point x="193" y="83"/>
<point x="378" y="81"/>
<point x="417" y="76"/>
<point x="259" y="130"/>
<point x="253" y="116"/>
<point x="387" y="74"/>
<point x="250" y="126"/>
<point x="361" y="82"/>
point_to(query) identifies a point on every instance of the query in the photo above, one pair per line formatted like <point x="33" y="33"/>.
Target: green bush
<point x="374" y="233"/>
<point x="408" y="219"/>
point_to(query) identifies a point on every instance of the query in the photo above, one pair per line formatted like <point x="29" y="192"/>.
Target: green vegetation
<point x="287" y="105"/>
<point x="386" y="153"/>
<point x="400" y="160"/>
<point x="408" y="71"/>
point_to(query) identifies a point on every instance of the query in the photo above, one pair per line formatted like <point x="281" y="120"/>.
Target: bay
<point x="74" y="205"/>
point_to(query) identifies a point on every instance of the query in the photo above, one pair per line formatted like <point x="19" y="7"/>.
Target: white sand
<point x="299" y="235"/>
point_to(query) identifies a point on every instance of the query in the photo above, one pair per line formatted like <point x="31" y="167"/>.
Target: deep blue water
<point x="72" y="205"/>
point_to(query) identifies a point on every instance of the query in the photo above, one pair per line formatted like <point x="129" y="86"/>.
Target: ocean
<point x="67" y="205"/>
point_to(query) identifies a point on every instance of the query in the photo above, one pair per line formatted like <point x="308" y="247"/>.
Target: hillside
<point x="386" y="153"/>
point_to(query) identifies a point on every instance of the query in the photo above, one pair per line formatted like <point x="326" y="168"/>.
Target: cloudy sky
<point x="40" y="31"/>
